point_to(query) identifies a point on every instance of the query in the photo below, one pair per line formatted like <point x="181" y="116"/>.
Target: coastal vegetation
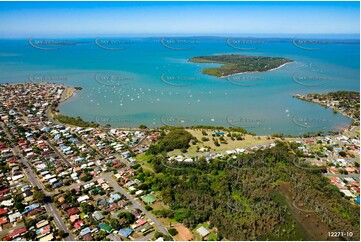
<point x="177" y="138"/>
<point x="74" y="121"/>
<point x="257" y="196"/>
<point x="345" y="102"/>
<point x="235" y="64"/>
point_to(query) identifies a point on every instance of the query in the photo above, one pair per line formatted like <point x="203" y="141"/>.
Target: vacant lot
<point x="184" y="234"/>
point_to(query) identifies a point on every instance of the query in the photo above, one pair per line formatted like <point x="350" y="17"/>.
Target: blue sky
<point x="89" y="19"/>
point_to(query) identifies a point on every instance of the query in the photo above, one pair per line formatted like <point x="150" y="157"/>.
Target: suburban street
<point x="35" y="182"/>
<point x="135" y="203"/>
<point x="58" y="153"/>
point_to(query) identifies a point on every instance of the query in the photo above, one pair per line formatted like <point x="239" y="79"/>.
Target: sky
<point x="89" y="19"/>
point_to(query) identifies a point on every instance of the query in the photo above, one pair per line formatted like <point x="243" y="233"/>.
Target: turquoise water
<point x="148" y="81"/>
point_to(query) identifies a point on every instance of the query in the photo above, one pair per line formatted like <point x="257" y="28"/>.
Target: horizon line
<point x="188" y="35"/>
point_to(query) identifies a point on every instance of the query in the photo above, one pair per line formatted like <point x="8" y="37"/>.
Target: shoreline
<point x="67" y="93"/>
<point x="303" y="98"/>
<point x="71" y="91"/>
<point x="251" y="72"/>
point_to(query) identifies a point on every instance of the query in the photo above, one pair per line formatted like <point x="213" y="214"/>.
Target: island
<point x="238" y="64"/>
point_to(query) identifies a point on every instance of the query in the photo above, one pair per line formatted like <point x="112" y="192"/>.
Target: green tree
<point x="115" y="224"/>
<point x="172" y="231"/>
<point x="39" y="195"/>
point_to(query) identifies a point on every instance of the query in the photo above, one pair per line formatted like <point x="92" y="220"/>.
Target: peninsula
<point x="238" y="64"/>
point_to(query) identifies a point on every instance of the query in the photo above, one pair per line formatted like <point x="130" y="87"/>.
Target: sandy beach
<point x="68" y="93"/>
<point x="250" y="72"/>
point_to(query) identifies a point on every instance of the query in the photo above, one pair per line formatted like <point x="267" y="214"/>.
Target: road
<point x="58" y="153"/>
<point x="35" y="182"/>
<point x="107" y="177"/>
<point x="135" y="204"/>
<point x="91" y="147"/>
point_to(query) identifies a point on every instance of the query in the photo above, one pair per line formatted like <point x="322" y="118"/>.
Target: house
<point x="88" y="237"/>
<point x="30" y="208"/>
<point x="83" y="198"/>
<point x="14" y="217"/>
<point x="114" y="237"/>
<point x="112" y="207"/>
<point x="139" y="223"/>
<point x="84" y="231"/>
<point x="3" y="220"/>
<point x="43" y="231"/>
<point x="115" y="197"/>
<point x="3" y="211"/>
<point x="203" y="231"/>
<point x="78" y="224"/>
<point x="347" y="193"/>
<point x="98" y="215"/>
<point x="105" y="227"/>
<point x="148" y="199"/>
<point x="125" y="232"/>
<point x="18" y="232"/>
<point x="48" y="237"/>
<point x="42" y="223"/>
<point x="74" y="218"/>
<point x="65" y="206"/>
<point x="72" y="211"/>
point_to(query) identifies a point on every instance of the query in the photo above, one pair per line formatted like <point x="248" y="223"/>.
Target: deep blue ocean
<point x="128" y="82"/>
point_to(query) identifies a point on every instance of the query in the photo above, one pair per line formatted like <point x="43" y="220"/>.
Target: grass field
<point x="248" y="142"/>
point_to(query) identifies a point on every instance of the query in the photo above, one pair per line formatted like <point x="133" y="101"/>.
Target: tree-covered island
<point x="236" y="64"/>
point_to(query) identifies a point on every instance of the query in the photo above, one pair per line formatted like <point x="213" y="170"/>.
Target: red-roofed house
<point x="74" y="218"/>
<point x="140" y="222"/>
<point x="4" y="191"/>
<point x="333" y="170"/>
<point x="3" y="211"/>
<point x="334" y="179"/>
<point x="350" y="169"/>
<point x="78" y="224"/>
<point x="72" y="211"/>
<point x="18" y="232"/>
<point x="3" y="220"/>
<point x="354" y="184"/>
